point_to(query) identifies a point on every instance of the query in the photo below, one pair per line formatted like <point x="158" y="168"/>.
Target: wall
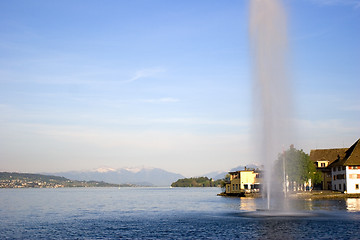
<point x="352" y="178"/>
<point x="336" y="182"/>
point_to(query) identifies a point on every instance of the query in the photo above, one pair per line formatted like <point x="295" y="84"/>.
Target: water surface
<point x="164" y="213"/>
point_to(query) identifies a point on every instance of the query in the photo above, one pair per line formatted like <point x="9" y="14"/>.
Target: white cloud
<point x="144" y="73"/>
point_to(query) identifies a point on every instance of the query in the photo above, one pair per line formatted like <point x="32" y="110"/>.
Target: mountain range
<point x="137" y="176"/>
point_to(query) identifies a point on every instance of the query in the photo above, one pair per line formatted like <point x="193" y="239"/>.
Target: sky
<point x="165" y="84"/>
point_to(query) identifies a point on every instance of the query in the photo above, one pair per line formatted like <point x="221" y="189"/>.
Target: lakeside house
<point x="322" y="158"/>
<point x="339" y="168"/>
<point x="345" y="171"/>
<point x="244" y="181"/>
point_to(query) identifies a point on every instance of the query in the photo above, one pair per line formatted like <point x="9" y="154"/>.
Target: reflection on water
<point x="353" y="204"/>
<point x="251" y="204"/>
<point x="319" y="205"/>
<point x="350" y="204"/>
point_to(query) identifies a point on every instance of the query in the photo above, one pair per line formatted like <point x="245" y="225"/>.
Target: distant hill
<point x="196" y="182"/>
<point x="30" y="180"/>
<point x="138" y="176"/>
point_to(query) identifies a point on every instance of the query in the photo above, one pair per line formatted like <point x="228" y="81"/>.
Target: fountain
<point x="272" y="101"/>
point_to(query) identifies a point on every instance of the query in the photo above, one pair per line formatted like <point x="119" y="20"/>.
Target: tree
<point x="196" y="182"/>
<point x="298" y="167"/>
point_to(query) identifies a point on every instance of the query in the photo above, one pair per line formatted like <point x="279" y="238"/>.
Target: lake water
<point x="164" y="213"/>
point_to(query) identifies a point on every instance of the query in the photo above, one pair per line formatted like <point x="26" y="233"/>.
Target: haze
<point x="167" y="84"/>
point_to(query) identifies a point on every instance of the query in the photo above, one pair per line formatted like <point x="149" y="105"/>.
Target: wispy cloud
<point x="13" y="116"/>
<point x="200" y="121"/>
<point x="82" y="75"/>
<point x="144" y="73"/>
<point x="160" y="100"/>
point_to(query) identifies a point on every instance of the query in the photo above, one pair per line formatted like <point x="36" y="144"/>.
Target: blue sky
<point x="168" y="84"/>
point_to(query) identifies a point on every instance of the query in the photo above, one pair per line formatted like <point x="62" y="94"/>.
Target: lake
<point x="166" y="213"/>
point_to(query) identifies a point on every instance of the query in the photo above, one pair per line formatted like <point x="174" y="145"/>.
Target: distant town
<point x="28" y="180"/>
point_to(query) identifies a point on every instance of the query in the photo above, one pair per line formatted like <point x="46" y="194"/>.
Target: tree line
<point x="197" y="182"/>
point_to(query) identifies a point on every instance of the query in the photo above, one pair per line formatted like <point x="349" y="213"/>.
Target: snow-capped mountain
<point x="138" y="176"/>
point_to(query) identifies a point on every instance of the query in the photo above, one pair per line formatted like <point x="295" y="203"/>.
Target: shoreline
<point x="323" y="194"/>
<point x="313" y="195"/>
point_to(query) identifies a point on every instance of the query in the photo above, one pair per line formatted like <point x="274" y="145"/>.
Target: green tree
<point x="196" y="182"/>
<point x="298" y="166"/>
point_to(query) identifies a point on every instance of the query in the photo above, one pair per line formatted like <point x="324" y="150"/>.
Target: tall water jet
<point x="272" y="97"/>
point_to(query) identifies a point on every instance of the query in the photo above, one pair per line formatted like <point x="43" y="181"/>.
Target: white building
<point x="345" y="171"/>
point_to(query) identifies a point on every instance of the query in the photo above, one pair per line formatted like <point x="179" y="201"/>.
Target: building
<point x="345" y="171"/>
<point x="245" y="181"/>
<point x="322" y="158"/>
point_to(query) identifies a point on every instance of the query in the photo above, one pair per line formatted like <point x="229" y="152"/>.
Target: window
<point x="340" y="176"/>
<point x="334" y="187"/>
<point x="245" y="186"/>
<point x="334" y="169"/>
<point x="339" y="186"/>
<point x="353" y="176"/>
<point x="357" y="186"/>
<point x="339" y="168"/>
<point x="233" y="186"/>
<point x="334" y="177"/>
<point x="344" y="168"/>
<point x="237" y="187"/>
<point x="322" y="164"/>
<point x="228" y="188"/>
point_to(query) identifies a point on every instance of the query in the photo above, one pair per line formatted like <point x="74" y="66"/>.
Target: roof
<point x="351" y="158"/>
<point x="247" y="170"/>
<point x="241" y="171"/>
<point x="327" y="154"/>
